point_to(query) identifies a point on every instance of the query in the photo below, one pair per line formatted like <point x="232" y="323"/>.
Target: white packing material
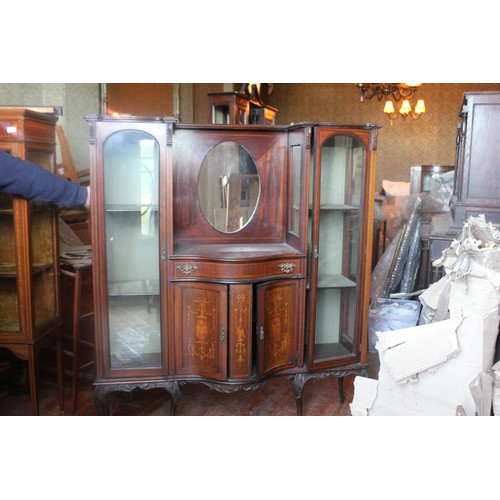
<point x="410" y="351"/>
<point x="421" y="370"/>
<point x="432" y="298"/>
<point x="496" y="389"/>
<point x="481" y="389"/>
<point x="472" y="273"/>
<point x="365" y="392"/>
<point x="438" y="392"/>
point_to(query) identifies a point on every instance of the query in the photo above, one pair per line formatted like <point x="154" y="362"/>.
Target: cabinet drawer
<point x="237" y="270"/>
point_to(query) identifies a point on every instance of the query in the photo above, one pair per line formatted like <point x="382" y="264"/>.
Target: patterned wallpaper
<point x="428" y="140"/>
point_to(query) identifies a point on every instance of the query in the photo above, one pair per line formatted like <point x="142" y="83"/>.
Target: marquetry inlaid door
<point x="278" y="325"/>
<point x="201" y="329"/>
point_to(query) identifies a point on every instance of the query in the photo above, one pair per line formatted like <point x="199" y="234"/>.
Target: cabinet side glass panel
<point x="342" y="160"/>
<point x="296" y="190"/>
<point x="131" y="186"/>
<point x="43" y="269"/>
<point x="9" y="303"/>
<point x="41" y="158"/>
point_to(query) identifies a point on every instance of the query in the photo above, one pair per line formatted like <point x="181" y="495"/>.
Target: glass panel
<point x="220" y="115"/>
<point x="43" y="275"/>
<point x="41" y="158"/>
<point x="228" y="187"/>
<point x="296" y="190"/>
<point x="9" y="304"/>
<point x="131" y="168"/>
<point x="342" y="161"/>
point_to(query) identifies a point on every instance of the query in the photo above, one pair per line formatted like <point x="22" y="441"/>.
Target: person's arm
<point x="35" y="183"/>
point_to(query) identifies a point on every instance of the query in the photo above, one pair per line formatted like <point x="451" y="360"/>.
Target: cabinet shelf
<point x="236" y="251"/>
<point x="9" y="325"/>
<point x="33" y="209"/>
<point x="331" y="350"/>
<point x="335" y="281"/>
<point x="8" y="270"/>
<point x="131" y="208"/>
<point x="133" y="288"/>
<point x="338" y="206"/>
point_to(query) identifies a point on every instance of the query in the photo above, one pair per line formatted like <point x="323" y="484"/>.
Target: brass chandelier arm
<point x="397" y="91"/>
<point x="394" y="92"/>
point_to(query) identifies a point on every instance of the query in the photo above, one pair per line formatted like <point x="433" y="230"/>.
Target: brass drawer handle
<point x="287" y="267"/>
<point x="187" y="269"/>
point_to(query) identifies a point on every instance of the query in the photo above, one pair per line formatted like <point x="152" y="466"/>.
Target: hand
<point x="87" y="201"/>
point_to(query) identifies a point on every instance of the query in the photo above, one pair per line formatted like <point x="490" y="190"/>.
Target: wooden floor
<point x="320" y="397"/>
<point x="276" y="398"/>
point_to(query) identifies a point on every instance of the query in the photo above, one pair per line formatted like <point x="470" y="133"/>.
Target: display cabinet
<point x="476" y="183"/>
<point x="29" y="292"/>
<point x="201" y="266"/>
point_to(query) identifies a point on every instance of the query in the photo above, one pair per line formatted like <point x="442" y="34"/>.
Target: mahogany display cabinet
<point x="30" y="315"/>
<point x="229" y="255"/>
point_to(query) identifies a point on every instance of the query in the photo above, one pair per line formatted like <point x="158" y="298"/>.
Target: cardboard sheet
<point x="410" y="351"/>
<point x="438" y="392"/>
<point x="365" y="392"/>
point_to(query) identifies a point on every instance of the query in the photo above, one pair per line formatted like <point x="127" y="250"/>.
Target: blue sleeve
<point x="33" y="182"/>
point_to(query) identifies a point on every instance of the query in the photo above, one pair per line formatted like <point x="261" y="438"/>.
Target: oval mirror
<point x="228" y="187"/>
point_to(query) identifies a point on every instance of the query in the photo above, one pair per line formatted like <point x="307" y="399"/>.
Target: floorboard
<point x="320" y="398"/>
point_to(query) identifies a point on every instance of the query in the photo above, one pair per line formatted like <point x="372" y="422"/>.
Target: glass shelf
<point x="120" y="207"/>
<point x="335" y="281"/>
<point x="338" y="206"/>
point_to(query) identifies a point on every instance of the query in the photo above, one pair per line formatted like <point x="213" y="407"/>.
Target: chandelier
<point x="397" y="92"/>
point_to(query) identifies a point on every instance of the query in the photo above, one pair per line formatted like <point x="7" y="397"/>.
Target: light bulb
<point x="389" y="107"/>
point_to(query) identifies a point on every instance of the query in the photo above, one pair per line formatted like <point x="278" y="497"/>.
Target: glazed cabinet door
<point x="279" y="316"/>
<point x="338" y="261"/>
<point x="127" y="231"/>
<point x="200" y="331"/>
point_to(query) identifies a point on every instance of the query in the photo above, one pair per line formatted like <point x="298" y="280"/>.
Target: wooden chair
<point x="67" y="168"/>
